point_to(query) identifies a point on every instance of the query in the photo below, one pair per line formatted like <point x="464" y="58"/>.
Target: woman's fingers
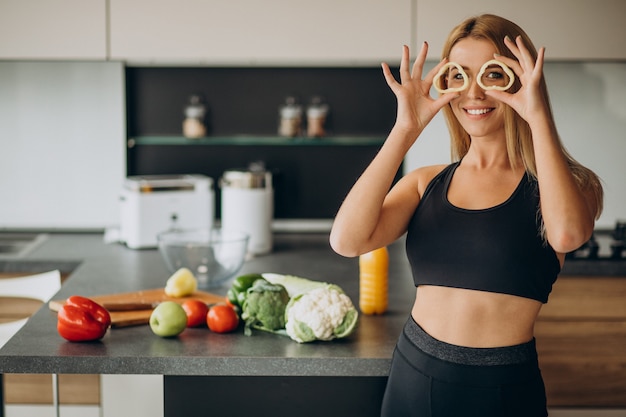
<point x="418" y="65"/>
<point x="389" y="78"/>
<point x="405" y="75"/>
<point x="538" y="70"/>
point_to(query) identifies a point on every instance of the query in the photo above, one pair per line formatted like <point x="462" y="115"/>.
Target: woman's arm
<point x="371" y="215"/>
<point x="568" y="211"/>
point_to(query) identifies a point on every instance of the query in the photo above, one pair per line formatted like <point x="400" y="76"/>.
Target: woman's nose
<point x="474" y="90"/>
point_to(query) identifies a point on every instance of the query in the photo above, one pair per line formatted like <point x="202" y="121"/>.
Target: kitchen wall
<point x="62" y="133"/>
<point x="62" y="141"/>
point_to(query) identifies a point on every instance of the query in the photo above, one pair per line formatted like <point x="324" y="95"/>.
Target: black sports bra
<point x="498" y="249"/>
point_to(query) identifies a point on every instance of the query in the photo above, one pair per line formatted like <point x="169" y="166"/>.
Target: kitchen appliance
<point x="151" y="204"/>
<point x="248" y="205"/>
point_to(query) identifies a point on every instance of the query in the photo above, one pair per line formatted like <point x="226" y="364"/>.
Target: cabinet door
<point x="52" y="29"/>
<point x="569" y="29"/>
<point x="282" y="32"/>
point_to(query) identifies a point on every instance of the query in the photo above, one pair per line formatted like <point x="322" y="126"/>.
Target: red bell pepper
<point x="82" y="319"/>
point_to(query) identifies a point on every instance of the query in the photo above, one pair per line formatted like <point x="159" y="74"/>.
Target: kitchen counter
<point x="98" y="268"/>
<point x="349" y="373"/>
<point x="103" y="269"/>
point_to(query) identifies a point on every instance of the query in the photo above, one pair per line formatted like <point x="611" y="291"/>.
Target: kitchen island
<point x="231" y="371"/>
<point x="581" y="336"/>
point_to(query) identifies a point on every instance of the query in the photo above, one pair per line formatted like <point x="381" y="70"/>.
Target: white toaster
<point x="151" y="204"/>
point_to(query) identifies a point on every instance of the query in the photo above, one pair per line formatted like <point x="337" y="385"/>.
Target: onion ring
<point x="502" y="65"/>
<point x="442" y="71"/>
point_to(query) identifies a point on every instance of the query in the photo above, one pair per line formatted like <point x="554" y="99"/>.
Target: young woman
<point x="486" y="235"/>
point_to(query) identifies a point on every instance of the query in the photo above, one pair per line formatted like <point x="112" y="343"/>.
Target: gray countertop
<point x="99" y="268"/>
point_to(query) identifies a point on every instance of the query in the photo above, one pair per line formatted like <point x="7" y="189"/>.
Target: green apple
<point x="168" y="319"/>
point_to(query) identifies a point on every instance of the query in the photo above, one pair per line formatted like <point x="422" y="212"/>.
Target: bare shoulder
<point x="422" y="176"/>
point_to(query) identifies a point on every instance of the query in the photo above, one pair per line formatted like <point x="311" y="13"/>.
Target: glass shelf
<point x="257" y="140"/>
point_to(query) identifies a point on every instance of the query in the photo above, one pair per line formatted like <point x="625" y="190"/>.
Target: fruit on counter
<point x="264" y="306"/>
<point x="81" y="319"/>
<point x="317" y="310"/>
<point x="181" y="283"/>
<point x="196" y="311"/>
<point x="374" y="281"/>
<point x="222" y="318"/>
<point x="168" y="319"/>
<point x="237" y="292"/>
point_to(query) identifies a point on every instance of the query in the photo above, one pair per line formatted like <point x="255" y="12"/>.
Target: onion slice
<point x="502" y="65"/>
<point x="442" y="71"/>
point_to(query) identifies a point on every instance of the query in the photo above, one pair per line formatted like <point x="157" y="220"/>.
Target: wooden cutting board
<point x="134" y="308"/>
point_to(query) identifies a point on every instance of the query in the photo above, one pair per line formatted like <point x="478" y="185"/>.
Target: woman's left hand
<point x="528" y="100"/>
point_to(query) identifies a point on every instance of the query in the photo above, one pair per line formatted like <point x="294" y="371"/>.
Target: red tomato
<point x="222" y="318"/>
<point x="196" y="311"/>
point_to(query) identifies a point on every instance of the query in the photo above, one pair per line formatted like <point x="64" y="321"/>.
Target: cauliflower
<point x="323" y="313"/>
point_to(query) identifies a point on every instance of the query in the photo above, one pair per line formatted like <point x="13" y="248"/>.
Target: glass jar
<point x="290" y="124"/>
<point x="316" y="114"/>
<point x="194" y="125"/>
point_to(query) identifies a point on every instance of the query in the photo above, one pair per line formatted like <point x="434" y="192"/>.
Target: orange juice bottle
<point x="373" y="281"/>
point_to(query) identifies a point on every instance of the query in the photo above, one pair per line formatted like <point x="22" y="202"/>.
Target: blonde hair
<point x="518" y="135"/>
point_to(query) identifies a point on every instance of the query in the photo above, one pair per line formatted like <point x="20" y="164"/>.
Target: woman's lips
<point x="479" y="112"/>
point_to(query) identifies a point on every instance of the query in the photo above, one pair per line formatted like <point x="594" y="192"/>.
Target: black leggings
<point x="430" y="378"/>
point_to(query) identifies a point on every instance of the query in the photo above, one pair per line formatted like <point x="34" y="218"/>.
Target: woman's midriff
<point x="475" y="318"/>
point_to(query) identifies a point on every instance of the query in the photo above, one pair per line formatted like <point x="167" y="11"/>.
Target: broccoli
<point x="264" y="307"/>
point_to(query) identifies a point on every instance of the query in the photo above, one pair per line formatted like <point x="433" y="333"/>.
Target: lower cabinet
<point x="28" y="395"/>
<point x="581" y="341"/>
<point x="132" y="395"/>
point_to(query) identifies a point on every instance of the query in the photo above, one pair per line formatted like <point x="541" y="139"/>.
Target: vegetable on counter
<point x="264" y="306"/>
<point x="236" y="294"/>
<point x="317" y="310"/>
<point x="81" y="319"/>
<point x="222" y="318"/>
<point x="196" y="311"/>
<point x="321" y="314"/>
<point x="181" y="283"/>
<point x="303" y="309"/>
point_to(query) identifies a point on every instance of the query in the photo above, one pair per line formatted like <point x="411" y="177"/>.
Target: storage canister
<point x="248" y="205"/>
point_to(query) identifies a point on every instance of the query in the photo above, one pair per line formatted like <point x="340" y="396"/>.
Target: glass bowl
<point x="213" y="255"/>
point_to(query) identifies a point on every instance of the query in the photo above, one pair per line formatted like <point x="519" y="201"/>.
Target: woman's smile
<point x="478" y="111"/>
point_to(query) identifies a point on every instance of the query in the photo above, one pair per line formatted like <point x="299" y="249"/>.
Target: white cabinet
<point x="282" y="32"/>
<point x="132" y="396"/>
<point x="569" y="29"/>
<point x="53" y="29"/>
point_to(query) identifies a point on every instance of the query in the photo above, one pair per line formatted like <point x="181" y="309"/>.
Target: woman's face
<point x="479" y="114"/>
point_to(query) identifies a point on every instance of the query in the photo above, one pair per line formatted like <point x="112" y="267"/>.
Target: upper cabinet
<point x="288" y="32"/>
<point x="53" y="29"/>
<point x="269" y="32"/>
<point x="569" y="29"/>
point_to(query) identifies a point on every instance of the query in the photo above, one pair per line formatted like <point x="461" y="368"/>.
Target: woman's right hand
<point x="416" y="107"/>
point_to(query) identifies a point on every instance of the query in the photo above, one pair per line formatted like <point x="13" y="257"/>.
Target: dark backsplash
<point x="246" y="100"/>
<point x="310" y="181"/>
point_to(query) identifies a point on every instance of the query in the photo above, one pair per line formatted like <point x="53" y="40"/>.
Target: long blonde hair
<point x="518" y="135"/>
